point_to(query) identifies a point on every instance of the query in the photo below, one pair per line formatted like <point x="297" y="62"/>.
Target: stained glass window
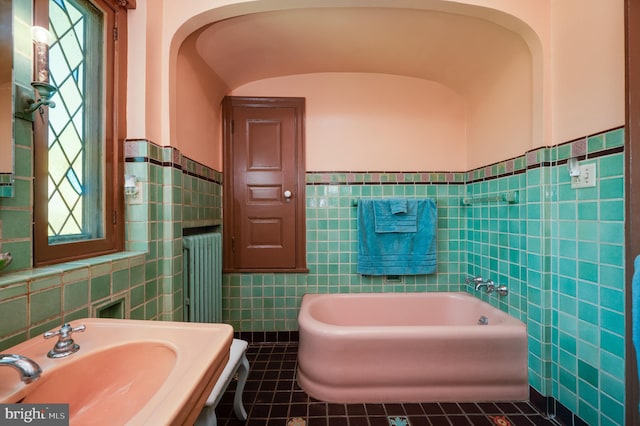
<point x="76" y="129"/>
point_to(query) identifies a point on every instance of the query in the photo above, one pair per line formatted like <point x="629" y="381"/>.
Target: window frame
<point x="113" y="156"/>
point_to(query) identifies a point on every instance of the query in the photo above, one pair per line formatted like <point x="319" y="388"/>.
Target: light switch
<point x="587" y="176"/>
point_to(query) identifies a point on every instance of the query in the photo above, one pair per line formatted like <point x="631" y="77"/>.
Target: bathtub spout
<point x="488" y="285"/>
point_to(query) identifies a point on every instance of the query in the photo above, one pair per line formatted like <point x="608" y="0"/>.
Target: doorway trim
<point x="632" y="196"/>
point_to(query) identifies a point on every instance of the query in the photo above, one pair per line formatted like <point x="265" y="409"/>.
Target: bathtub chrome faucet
<point x="501" y="289"/>
<point x="480" y="282"/>
<point x="489" y="285"/>
<point x="29" y="370"/>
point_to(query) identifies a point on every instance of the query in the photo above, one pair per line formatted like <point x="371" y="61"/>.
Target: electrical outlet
<point x="587" y="176"/>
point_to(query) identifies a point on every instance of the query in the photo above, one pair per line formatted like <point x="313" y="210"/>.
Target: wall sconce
<point x="130" y="185"/>
<point x="45" y="91"/>
<point x="573" y="166"/>
<point x="25" y="103"/>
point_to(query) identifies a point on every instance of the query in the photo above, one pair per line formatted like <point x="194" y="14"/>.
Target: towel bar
<point x="510" y="197"/>
<point x="354" y="202"/>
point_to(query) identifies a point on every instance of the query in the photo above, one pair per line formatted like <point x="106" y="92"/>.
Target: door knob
<point x="287" y="194"/>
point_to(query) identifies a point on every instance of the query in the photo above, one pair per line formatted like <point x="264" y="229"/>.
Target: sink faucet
<point x="29" y="370"/>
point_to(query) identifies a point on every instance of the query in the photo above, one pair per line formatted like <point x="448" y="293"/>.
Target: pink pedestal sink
<point x="126" y="372"/>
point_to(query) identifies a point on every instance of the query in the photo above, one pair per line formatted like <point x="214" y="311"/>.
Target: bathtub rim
<point x="311" y="324"/>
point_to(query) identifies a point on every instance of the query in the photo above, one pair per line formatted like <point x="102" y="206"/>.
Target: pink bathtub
<point x="409" y="347"/>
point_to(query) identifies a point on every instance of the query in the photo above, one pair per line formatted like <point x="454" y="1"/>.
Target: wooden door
<point x="264" y="221"/>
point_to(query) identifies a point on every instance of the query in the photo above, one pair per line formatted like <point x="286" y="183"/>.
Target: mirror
<point x="6" y="96"/>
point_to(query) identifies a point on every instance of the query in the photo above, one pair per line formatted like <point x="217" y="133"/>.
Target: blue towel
<point x="635" y="311"/>
<point x="399" y="205"/>
<point x="395" y="215"/>
<point x="397" y="253"/>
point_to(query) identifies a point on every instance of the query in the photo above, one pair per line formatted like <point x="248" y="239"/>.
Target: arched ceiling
<point x="461" y="52"/>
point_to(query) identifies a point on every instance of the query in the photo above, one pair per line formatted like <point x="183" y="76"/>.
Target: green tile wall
<point x="561" y="252"/>
<point x="271" y="301"/>
<point x="178" y="193"/>
<point x="37" y="300"/>
<point x="589" y="283"/>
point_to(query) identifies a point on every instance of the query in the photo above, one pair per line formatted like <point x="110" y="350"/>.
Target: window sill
<point x="109" y="261"/>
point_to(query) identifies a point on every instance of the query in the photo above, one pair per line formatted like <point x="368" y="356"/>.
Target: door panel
<point x="264" y="194"/>
<point x="264" y="140"/>
<point x="264" y="187"/>
<point x="265" y="233"/>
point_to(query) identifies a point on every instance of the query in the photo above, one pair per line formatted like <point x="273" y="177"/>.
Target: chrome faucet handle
<point x="65" y="331"/>
<point x="491" y="286"/>
<point x="502" y="290"/>
<point x="65" y="345"/>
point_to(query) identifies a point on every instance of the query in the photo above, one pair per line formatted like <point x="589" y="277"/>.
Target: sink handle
<point x="65" y="345"/>
<point x="65" y="331"/>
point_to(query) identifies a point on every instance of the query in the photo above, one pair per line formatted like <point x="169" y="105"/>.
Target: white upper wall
<point x="588" y="68"/>
<point x="360" y="122"/>
<point x="577" y="69"/>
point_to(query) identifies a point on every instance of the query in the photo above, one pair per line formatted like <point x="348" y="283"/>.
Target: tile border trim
<point x="588" y="147"/>
<point x="145" y="151"/>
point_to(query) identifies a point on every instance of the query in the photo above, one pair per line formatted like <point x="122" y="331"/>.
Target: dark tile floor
<point x="272" y="397"/>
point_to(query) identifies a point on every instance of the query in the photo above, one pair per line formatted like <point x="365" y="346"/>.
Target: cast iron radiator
<point x="202" y="277"/>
